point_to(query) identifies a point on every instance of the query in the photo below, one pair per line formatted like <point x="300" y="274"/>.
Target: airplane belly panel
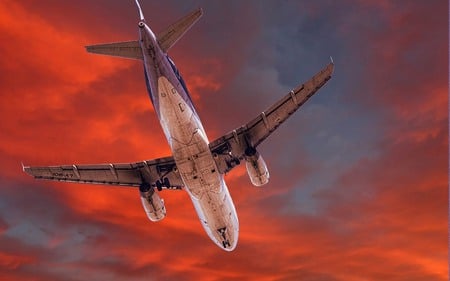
<point x="218" y="217"/>
<point x="187" y="141"/>
<point x="175" y="114"/>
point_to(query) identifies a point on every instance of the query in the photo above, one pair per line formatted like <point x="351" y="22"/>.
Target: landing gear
<point x="233" y="162"/>
<point x="223" y="232"/>
<point x="226" y="244"/>
<point x="164" y="183"/>
<point x="158" y="185"/>
<point x="144" y="187"/>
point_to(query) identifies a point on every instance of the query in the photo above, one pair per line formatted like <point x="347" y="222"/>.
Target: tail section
<point x="174" y="32"/>
<point x="166" y="39"/>
<point x="128" y="49"/>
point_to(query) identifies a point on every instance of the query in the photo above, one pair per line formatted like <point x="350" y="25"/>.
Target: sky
<point x="359" y="175"/>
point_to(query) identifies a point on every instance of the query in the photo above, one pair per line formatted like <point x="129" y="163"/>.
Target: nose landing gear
<point x="226" y="244"/>
<point x="225" y="241"/>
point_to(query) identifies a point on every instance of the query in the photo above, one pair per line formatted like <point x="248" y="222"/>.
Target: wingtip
<point x="24" y="168"/>
<point x="331" y="65"/>
<point x="197" y="12"/>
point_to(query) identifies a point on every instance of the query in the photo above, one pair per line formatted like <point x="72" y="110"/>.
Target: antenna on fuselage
<point x="141" y="15"/>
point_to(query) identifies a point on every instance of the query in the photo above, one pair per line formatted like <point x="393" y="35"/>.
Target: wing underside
<point x="229" y="149"/>
<point x="127" y="49"/>
<point x="160" y="173"/>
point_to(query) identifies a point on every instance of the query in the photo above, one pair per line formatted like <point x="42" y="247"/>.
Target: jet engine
<point x="256" y="167"/>
<point x="152" y="203"/>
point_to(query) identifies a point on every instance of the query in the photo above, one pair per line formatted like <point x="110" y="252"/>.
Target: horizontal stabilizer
<point x="174" y="32"/>
<point x="128" y="49"/>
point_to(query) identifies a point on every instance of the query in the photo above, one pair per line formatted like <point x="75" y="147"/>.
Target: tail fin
<point x="166" y="39"/>
<point x="128" y="49"/>
<point x="174" y="32"/>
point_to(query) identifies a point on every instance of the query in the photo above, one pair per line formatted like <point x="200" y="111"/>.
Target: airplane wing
<point x="161" y="173"/>
<point x="229" y="149"/>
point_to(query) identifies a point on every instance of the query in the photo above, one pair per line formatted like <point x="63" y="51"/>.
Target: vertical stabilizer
<point x="174" y="32"/>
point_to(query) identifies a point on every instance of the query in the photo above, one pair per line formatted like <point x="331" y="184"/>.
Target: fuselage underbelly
<point x="189" y="144"/>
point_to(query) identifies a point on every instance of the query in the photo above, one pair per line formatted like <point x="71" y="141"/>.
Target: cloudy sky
<point x="359" y="175"/>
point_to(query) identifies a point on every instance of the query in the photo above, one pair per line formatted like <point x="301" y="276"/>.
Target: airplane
<point x="196" y="165"/>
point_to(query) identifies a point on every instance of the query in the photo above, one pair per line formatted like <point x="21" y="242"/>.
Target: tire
<point x="158" y="185"/>
<point x="166" y="182"/>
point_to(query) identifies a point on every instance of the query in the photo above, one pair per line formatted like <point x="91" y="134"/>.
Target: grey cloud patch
<point x="42" y="230"/>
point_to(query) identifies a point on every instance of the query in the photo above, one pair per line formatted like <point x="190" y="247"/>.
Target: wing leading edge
<point x="161" y="173"/>
<point x="229" y="149"/>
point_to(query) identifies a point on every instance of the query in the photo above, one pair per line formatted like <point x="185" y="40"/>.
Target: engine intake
<point x="256" y="167"/>
<point x="152" y="203"/>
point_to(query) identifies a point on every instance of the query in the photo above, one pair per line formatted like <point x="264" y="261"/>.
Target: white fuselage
<point x="189" y="144"/>
<point x="195" y="163"/>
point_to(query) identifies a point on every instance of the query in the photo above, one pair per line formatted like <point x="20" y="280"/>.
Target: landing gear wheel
<point x="158" y="185"/>
<point x="144" y="187"/>
<point x="226" y="244"/>
<point x="166" y="182"/>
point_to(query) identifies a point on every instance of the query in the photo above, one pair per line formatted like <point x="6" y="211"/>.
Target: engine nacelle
<point x="256" y="167"/>
<point x="152" y="203"/>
